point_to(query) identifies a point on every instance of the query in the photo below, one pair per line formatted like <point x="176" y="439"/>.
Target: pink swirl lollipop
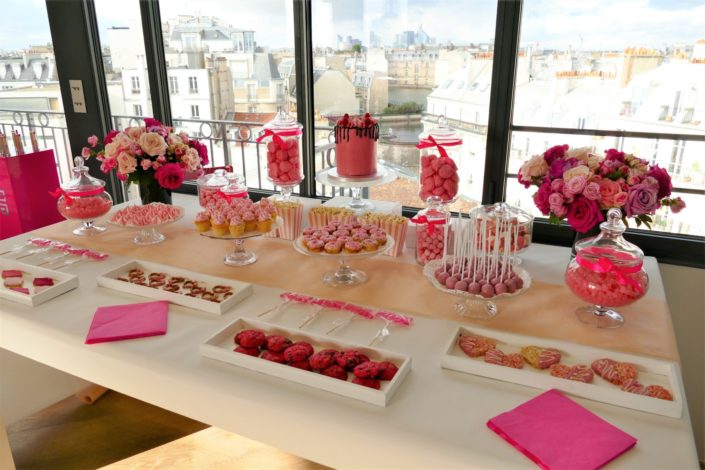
<point x="360" y="311"/>
<point x="76" y="251"/>
<point x="328" y="303"/>
<point x="297" y="298"/>
<point x="96" y="255"/>
<point x="397" y="318"/>
<point x="40" y="241"/>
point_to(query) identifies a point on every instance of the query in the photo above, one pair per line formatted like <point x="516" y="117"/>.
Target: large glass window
<point x="30" y="98"/>
<point x="229" y="55"/>
<point x="406" y="62"/>
<point x="572" y="73"/>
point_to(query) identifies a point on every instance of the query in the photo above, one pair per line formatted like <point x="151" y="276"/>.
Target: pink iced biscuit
<point x="85" y="208"/>
<point x="439" y="177"/>
<point x="13" y="281"/>
<point x="605" y="289"/>
<point x="356" y="145"/>
<point x="11" y="273"/>
<point x="150" y="214"/>
<point x="429" y="246"/>
<point x="43" y="281"/>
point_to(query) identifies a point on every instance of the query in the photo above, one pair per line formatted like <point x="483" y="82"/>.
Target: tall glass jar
<point x="440" y="160"/>
<point x="431" y="231"/>
<point x="209" y="185"/>
<point x="83" y="198"/>
<point x="607" y="272"/>
<point x="282" y="137"/>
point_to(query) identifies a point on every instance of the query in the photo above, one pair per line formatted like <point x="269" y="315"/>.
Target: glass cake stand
<point x="471" y="305"/>
<point x="330" y="177"/>
<point x="239" y="256"/>
<point x="149" y="234"/>
<point x="344" y="275"/>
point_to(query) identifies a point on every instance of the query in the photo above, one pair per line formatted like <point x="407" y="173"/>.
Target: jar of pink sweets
<point x="440" y="160"/>
<point x="607" y="272"/>
<point x="209" y="185"/>
<point x="431" y="231"/>
<point x="83" y="198"/>
<point x="282" y="138"/>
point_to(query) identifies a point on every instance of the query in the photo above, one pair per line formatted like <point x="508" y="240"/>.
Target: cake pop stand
<point x="471" y="305"/>
<point x="330" y="177"/>
<point x="239" y="256"/>
<point x="149" y="234"/>
<point x="344" y="275"/>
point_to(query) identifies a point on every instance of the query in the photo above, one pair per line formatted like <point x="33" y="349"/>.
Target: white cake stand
<point x="239" y="256"/>
<point x="330" y="177"/>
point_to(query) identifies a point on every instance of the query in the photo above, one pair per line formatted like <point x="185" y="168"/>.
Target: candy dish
<point x="149" y="234"/>
<point x="471" y="305"/>
<point x="344" y="275"/>
<point x="221" y="345"/>
<point x="239" y="256"/>
<point x="120" y="279"/>
<point x="35" y="294"/>
<point x="650" y="370"/>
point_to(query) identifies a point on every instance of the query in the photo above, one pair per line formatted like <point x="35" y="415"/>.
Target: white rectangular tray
<point x="66" y="282"/>
<point x="652" y="371"/>
<point x="220" y="347"/>
<point x="241" y="290"/>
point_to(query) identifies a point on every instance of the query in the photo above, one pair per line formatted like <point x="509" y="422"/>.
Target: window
<point x="400" y="87"/>
<point x="602" y="82"/>
<point x="173" y="85"/>
<point x="251" y="92"/>
<point x="137" y="109"/>
<point x="193" y="85"/>
<point x="135" y="85"/>
<point x="194" y="111"/>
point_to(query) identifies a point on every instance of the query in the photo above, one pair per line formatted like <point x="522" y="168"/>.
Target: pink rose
<point x="574" y="186"/>
<point x="146" y="164"/>
<point x="86" y="153"/>
<point x="153" y="143"/>
<point x="151" y="122"/>
<point x="584" y="214"/>
<point x="93" y="141"/>
<point x="541" y="198"/>
<point x="134" y="132"/>
<point x="555" y="201"/>
<point x="108" y="165"/>
<point x="191" y="159"/>
<point x="161" y="159"/>
<point x="184" y="137"/>
<point x="614" y="154"/>
<point x="555" y="152"/>
<point x="677" y="205"/>
<point x="642" y="200"/>
<point x="126" y="163"/>
<point x="202" y="151"/>
<point x="620" y="199"/>
<point x="170" y="176"/>
<point x="664" y="181"/>
<point x="156" y="165"/>
<point x="608" y="190"/>
<point x="535" y="167"/>
<point x="557" y="185"/>
<point x="109" y="138"/>
<point x="592" y="191"/>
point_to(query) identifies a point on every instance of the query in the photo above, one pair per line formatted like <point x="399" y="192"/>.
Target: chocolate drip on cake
<point x="343" y="132"/>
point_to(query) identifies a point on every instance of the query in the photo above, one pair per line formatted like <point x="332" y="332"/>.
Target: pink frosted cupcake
<point x="219" y="225"/>
<point x="333" y="247"/>
<point x="203" y="221"/>
<point x="315" y="246"/>
<point x="250" y="221"/>
<point x="352" y="247"/>
<point x="369" y="245"/>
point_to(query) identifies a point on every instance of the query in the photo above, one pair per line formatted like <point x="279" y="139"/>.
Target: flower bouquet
<point x="581" y="187"/>
<point x="153" y="156"/>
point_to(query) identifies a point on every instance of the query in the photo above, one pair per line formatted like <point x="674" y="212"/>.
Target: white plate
<point x="65" y="282"/>
<point x="220" y="347"/>
<point x="241" y="290"/>
<point x="652" y="371"/>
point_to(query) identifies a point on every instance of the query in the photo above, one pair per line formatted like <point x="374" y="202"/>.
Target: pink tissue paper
<point x="118" y="322"/>
<point x="557" y="433"/>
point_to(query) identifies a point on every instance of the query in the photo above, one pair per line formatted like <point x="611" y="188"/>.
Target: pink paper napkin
<point x="557" y="433"/>
<point x="118" y="322"/>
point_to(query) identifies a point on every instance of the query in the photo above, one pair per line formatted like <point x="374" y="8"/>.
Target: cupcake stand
<point x="239" y="256"/>
<point x="344" y="275"/>
<point x="330" y="177"/>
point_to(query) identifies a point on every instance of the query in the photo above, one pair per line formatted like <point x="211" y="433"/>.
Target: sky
<point x="553" y="24"/>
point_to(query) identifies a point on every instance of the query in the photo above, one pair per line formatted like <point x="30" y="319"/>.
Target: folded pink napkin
<point x="557" y="433"/>
<point x="118" y="322"/>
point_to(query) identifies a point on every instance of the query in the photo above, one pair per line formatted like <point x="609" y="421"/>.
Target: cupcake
<point x="264" y="222"/>
<point x="237" y="226"/>
<point x="369" y="245"/>
<point x="352" y="247"/>
<point x="315" y="245"/>
<point x="219" y="225"/>
<point x="333" y="247"/>
<point x="203" y="221"/>
<point x="380" y="237"/>
<point x="250" y="221"/>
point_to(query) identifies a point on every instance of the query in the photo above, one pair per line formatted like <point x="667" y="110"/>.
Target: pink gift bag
<point x="25" y="202"/>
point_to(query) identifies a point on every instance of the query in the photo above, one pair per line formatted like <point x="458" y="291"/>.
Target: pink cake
<point x="356" y="146"/>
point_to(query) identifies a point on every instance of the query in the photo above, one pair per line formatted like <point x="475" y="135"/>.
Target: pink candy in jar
<point x="284" y="161"/>
<point x="85" y="208"/>
<point x="601" y="282"/>
<point x="439" y="177"/>
<point x="429" y="246"/>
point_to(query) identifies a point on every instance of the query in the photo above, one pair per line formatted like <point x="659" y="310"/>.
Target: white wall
<point x="685" y="291"/>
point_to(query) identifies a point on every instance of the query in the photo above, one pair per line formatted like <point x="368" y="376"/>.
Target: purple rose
<point x="584" y="214"/>
<point x="642" y="199"/>
<point x="541" y="198"/>
<point x="554" y="153"/>
<point x="556" y="169"/>
<point x="664" y="181"/>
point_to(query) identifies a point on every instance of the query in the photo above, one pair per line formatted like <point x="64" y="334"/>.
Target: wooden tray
<point x="64" y="283"/>
<point x="652" y="371"/>
<point x="241" y="290"/>
<point x="220" y="347"/>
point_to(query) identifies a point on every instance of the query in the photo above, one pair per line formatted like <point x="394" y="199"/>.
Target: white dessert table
<point x="435" y="420"/>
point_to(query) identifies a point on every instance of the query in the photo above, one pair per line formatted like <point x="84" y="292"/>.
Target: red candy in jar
<point x="440" y="150"/>
<point x="282" y="136"/>
<point x="84" y="208"/>
<point x="607" y="271"/>
<point x="430" y="231"/>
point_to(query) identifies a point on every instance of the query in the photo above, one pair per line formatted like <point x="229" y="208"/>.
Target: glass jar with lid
<point x="282" y="138"/>
<point x="440" y="160"/>
<point x="83" y="198"/>
<point x="209" y="185"/>
<point x="431" y="231"/>
<point x="607" y="272"/>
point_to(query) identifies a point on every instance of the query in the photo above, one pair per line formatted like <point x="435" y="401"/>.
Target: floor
<point x="118" y="432"/>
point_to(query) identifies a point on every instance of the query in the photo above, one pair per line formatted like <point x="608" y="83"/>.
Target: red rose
<point x="614" y="154"/>
<point x="555" y="152"/>
<point x="584" y="214"/>
<point x="109" y="138"/>
<point x="170" y="176"/>
<point x="151" y="122"/>
<point x="541" y="198"/>
<point x="664" y="181"/>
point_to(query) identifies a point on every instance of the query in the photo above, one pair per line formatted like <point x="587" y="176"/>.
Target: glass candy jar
<point x="431" y="231"/>
<point x="209" y="185"/>
<point x="440" y="159"/>
<point x="83" y="198"/>
<point x="282" y="137"/>
<point x="234" y="189"/>
<point x="607" y="272"/>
